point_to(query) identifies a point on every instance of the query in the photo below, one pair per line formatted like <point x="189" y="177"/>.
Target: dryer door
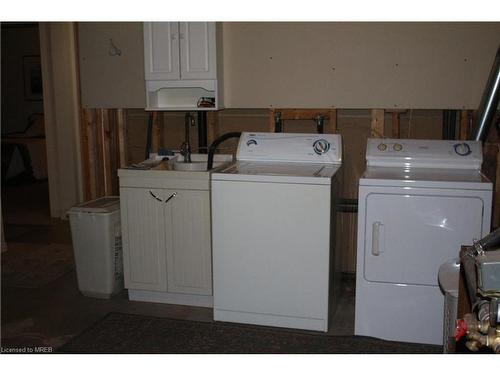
<point x="409" y="236"/>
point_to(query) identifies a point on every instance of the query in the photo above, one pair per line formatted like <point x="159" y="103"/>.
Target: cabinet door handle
<point x="172" y="196"/>
<point x="154" y="196"/>
<point x="377" y="238"/>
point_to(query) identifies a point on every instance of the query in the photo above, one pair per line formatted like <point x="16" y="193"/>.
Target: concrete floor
<point x="53" y="314"/>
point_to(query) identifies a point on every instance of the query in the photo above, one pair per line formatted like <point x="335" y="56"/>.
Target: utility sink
<point x="173" y="173"/>
<point x="194" y="166"/>
<point x="198" y="162"/>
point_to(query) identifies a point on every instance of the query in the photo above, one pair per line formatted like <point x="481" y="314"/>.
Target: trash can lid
<point x="99" y="205"/>
<point x="448" y="276"/>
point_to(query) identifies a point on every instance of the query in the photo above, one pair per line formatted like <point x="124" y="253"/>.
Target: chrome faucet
<point x="186" y="146"/>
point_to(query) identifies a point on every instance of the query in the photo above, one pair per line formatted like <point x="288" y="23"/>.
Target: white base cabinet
<point x="167" y="244"/>
<point x="189" y="258"/>
<point x="166" y="232"/>
<point x="144" y="240"/>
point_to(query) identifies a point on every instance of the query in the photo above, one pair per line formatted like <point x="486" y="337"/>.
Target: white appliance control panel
<point x="419" y="153"/>
<point x="290" y="147"/>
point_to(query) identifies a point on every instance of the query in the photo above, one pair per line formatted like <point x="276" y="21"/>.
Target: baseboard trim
<point x="171" y="298"/>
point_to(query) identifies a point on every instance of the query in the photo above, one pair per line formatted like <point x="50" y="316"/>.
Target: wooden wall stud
<point x="89" y="153"/>
<point x="395" y="122"/>
<point x="105" y="131"/>
<point x="331" y="126"/>
<point x="377" y="123"/>
<point x="271" y="120"/>
<point x="463" y="132"/>
<point x="122" y="137"/>
<point x="305" y="114"/>
<point x="155" y="134"/>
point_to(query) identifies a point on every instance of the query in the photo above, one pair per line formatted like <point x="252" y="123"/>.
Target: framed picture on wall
<point x="32" y="69"/>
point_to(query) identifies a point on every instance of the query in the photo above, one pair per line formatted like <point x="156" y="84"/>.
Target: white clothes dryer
<point x="419" y="201"/>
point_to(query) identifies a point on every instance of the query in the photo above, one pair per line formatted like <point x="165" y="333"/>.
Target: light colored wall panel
<point x="357" y="65"/>
<point x="109" y="81"/>
<point x="311" y="65"/>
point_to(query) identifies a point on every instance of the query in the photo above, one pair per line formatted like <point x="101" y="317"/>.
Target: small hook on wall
<point x="113" y="49"/>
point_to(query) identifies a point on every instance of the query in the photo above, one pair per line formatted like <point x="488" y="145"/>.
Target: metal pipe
<point x="187" y="124"/>
<point x="449" y="123"/>
<point x="202" y="132"/>
<point x="320" y="122"/>
<point x="186" y="145"/>
<point x="278" y="123"/>
<point x="452" y="125"/>
<point x="446" y="121"/>
<point x="489" y="100"/>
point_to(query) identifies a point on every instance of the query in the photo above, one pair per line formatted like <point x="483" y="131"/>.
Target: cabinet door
<point x="197" y="50"/>
<point x="189" y="258"/>
<point x="143" y="231"/>
<point x="161" y="50"/>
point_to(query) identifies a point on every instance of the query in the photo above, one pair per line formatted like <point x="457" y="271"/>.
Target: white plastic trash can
<point x="97" y="245"/>
<point x="448" y="278"/>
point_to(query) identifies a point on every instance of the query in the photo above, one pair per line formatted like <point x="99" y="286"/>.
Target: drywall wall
<point x="111" y="78"/>
<point x="357" y="65"/>
<point x="311" y="65"/>
<point x="20" y="52"/>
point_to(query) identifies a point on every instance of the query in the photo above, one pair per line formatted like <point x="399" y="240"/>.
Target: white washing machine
<point x="271" y="226"/>
<point x="419" y="201"/>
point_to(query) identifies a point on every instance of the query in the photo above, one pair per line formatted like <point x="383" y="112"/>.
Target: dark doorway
<point x="25" y="193"/>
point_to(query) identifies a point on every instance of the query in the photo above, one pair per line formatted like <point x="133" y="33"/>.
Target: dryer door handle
<point x="378" y="238"/>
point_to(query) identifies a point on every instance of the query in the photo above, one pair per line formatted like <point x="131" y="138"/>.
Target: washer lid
<point x="306" y="173"/>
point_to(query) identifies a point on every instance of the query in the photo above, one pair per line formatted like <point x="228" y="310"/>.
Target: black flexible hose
<point x="216" y="143"/>
<point x="489" y="242"/>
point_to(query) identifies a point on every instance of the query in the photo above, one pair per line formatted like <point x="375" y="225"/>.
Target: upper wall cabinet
<point x="180" y="60"/>
<point x="161" y="51"/>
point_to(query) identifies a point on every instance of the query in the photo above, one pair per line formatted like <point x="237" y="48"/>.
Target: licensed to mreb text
<point x="27" y="350"/>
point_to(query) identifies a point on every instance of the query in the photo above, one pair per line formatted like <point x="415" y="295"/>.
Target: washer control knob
<point x="462" y="149"/>
<point x="382" y="147"/>
<point x="251" y="142"/>
<point x="397" y="147"/>
<point x="321" y="146"/>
